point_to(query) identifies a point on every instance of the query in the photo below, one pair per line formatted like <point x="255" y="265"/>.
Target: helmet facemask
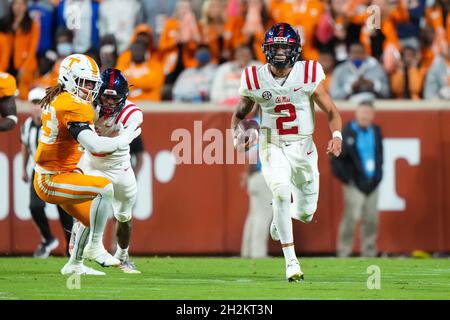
<point x="87" y="89"/>
<point x="110" y="102"/>
<point x="291" y="53"/>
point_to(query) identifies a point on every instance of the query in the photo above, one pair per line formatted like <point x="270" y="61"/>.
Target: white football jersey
<point x="109" y="127"/>
<point x="287" y="110"/>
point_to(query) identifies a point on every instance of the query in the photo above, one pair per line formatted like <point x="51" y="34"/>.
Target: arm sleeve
<point x="96" y="144"/>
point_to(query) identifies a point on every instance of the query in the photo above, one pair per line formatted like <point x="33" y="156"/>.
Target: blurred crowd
<point x="195" y="50"/>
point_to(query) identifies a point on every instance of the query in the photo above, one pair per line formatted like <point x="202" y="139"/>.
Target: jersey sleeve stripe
<point x="129" y="114"/>
<point x="247" y="79"/>
<point x="123" y="111"/>
<point x="305" y="80"/>
<point x="314" y="71"/>
<point x="255" y="77"/>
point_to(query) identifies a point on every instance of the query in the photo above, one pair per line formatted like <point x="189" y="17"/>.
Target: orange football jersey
<point x="7" y="85"/>
<point x="58" y="151"/>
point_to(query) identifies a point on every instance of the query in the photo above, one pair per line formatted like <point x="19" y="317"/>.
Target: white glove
<point x="127" y="135"/>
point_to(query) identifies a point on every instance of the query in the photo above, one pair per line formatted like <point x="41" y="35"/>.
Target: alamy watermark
<point x="374" y="279"/>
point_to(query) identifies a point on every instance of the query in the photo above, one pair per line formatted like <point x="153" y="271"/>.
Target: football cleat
<point x="293" y="271"/>
<point x="44" y="249"/>
<point x="80" y="269"/>
<point x="128" y="266"/>
<point x="274" y="232"/>
<point x="100" y="255"/>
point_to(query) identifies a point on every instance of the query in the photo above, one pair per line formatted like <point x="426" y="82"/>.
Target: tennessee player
<point x="8" y="112"/>
<point x="67" y="121"/>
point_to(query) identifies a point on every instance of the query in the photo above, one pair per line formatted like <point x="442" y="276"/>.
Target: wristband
<point x="337" y="134"/>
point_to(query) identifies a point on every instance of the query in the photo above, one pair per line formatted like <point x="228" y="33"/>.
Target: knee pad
<point x="123" y="216"/>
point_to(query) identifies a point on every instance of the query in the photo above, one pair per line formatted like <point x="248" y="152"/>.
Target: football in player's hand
<point x="246" y="134"/>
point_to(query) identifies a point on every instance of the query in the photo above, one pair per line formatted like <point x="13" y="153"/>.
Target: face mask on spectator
<point x="64" y="49"/>
<point x="357" y="63"/>
<point x="203" y="57"/>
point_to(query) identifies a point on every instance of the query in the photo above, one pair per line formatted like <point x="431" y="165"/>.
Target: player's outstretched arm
<point x="94" y="143"/>
<point x="324" y="101"/>
<point x="8" y="112"/>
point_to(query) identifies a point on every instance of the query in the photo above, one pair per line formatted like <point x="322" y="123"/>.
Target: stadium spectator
<point x="428" y="49"/>
<point x="226" y="83"/>
<point x="43" y="11"/>
<point x="331" y="33"/>
<point x="305" y="16"/>
<point x="8" y="112"/>
<point x="19" y="40"/>
<point x="144" y="74"/>
<point x="64" y="47"/>
<point x="142" y="33"/>
<point x="326" y="59"/>
<point x="4" y="5"/>
<point x="437" y="81"/>
<point x="108" y="52"/>
<point x="30" y="133"/>
<point x="178" y="41"/>
<point x="259" y="217"/>
<point x="437" y="16"/>
<point x="80" y="16"/>
<point x="194" y="84"/>
<point x="407" y="79"/>
<point x="382" y="41"/>
<point x="360" y="77"/>
<point x="409" y="31"/>
<point x="155" y="13"/>
<point x="359" y="168"/>
<point x="118" y="17"/>
<point x="248" y="28"/>
<point x="212" y="24"/>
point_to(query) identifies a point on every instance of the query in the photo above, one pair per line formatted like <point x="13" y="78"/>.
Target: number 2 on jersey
<point x="292" y="117"/>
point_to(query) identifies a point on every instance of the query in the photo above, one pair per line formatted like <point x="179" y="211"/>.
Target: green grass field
<point x="230" y="278"/>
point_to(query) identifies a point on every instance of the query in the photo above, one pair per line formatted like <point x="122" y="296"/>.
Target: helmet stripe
<point x="305" y="80"/>
<point x="255" y="77"/>
<point x="247" y="79"/>
<point x="94" y="66"/>
<point x="111" y="80"/>
<point x="314" y="72"/>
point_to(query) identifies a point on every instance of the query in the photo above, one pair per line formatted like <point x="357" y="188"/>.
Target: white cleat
<point x="293" y="271"/>
<point x="100" y="255"/>
<point x="274" y="232"/>
<point x="80" y="269"/>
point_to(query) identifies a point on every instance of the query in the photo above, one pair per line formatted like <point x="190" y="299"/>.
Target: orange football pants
<point x="71" y="191"/>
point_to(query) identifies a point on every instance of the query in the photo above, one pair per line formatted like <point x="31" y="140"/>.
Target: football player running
<point x="286" y="90"/>
<point x="67" y="121"/>
<point x="112" y="112"/>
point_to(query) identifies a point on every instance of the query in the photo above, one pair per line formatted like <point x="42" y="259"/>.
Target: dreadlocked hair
<point x="50" y="94"/>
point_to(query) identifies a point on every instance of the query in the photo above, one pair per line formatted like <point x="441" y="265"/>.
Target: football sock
<point x="121" y="253"/>
<point x="101" y="208"/>
<point x="81" y="240"/>
<point x="281" y="214"/>
<point x="289" y="253"/>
